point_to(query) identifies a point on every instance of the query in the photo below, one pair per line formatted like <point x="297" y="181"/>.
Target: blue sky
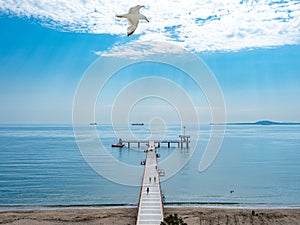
<point x="43" y="60"/>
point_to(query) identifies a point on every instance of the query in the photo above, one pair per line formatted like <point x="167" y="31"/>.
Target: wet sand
<point x="125" y="216"/>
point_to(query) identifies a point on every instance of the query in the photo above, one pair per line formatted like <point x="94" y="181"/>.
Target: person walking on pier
<point x="150" y="179"/>
<point x="154" y="179"/>
<point x="147" y="190"/>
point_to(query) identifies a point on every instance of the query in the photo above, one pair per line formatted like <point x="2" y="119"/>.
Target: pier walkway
<point x="150" y="209"/>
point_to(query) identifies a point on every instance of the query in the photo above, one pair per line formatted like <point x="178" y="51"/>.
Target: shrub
<point x="173" y="220"/>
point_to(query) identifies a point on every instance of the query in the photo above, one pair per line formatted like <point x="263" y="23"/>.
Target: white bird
<point x="133" y="16"/>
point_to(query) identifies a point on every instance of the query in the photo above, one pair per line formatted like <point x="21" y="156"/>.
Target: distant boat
<point x="161" y="172"/>
<point x="137" y="124"/>
<point x="93" y="124"/>
<point x="120" y="144"/>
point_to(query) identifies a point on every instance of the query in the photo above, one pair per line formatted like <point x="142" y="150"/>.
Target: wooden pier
<point x="150" y="209"/>
<point x="181" y="143"/>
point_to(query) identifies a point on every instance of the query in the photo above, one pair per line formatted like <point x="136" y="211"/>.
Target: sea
<point x="42" y="166"/>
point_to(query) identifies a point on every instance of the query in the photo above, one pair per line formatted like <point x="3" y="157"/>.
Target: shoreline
<point x="166" y="205"/>
<point x="127" y="215"/>
<point x="171" y="206"/>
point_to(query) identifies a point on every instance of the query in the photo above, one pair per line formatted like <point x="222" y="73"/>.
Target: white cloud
<point x="138" y="49"/>
<point x="204" y="25"/>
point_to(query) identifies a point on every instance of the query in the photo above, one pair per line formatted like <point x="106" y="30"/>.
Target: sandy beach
<point x="127" y="216"/>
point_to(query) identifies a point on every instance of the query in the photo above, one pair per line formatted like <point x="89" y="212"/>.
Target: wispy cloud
<point x="138" y="49"/>
<point x="206" y="25"/>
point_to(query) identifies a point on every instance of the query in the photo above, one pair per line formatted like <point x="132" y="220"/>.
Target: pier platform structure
<point x="150" y="209"/>
<point x="181" y="143"/>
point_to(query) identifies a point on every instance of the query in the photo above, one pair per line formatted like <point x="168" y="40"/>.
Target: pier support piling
<point x="184" y="139"/>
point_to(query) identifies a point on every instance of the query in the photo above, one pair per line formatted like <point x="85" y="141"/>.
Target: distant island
<point x="261" y="122"/>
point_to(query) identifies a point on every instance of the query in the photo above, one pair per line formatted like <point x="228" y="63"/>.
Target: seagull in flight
<point x="133" y="16"/>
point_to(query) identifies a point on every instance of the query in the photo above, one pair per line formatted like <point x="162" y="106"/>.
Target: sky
<point x="251" y="47"/>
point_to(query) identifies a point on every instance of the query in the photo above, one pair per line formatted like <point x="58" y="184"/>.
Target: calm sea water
<point x="41" y="165"/>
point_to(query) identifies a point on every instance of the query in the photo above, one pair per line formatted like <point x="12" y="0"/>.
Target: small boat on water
<point x="120" y="144"/>
<point x="93" y="124"/>
<point x="137" y="124"/>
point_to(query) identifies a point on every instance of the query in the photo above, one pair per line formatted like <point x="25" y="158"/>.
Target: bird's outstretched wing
<point x="135" y="9"/>
<point x="132" y="26"/>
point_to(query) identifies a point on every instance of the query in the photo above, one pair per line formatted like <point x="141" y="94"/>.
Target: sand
<point x="124" y="216"/>
<point x="205" y="216"/>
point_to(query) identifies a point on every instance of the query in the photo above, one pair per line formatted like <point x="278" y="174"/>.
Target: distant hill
<point x="261" y="122"/>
